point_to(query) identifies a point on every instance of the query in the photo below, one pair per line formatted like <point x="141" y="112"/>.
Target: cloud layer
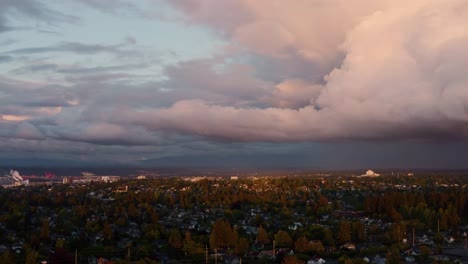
<point x="288" y="71"/>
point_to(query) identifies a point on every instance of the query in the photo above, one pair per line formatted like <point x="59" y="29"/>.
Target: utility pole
<point x="398" y="234"/>
<point x="466" y="241"/>
<point x="216" y="255"/>
<point x="413" y="236"/>
<point x="76" y="256"/>
<point x="128" y="252"/>
<point x="274" y="244"/>
<point x="206" y="254"/>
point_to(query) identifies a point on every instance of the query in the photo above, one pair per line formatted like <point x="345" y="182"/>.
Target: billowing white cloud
<point x="401" y="72"/>
<point x="295" y="93"/>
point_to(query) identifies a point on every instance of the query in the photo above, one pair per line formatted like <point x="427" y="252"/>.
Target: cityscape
<point x="308" y="217"/>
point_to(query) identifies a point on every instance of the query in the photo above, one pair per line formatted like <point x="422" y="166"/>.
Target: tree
<point x="34" y="241"/>
<point x="107" y="231"/>
<point x="45" y="230"/>
<point x="7" y="258"/>
<point x="283" y="239"/>
<point x="317" y="247"/>
<point x="31" y="256"/>
<point x="328" y="237"/>
<point x="359" y="230"/>
<point x="60" y="243"/>
<point x="154" y="217"/>
<point x="121" y="221"/>
<point x="262" y="236"/>
<point x="425" y="252"/>
<point x="393" y="256"/>
<point x="92" y="226"/>
<point x="132" y="211"/>
<point x="61" y="256"/>
<point x="175" y="239"/>
<point x="396" y="232"/>
<point x="345" y="259"/>
<point x="292" y="260"/>
<point x="242" y="246"/>
<point x="302" y="245"/>
<point x="191" y="247"/>
<point x="222" y="235"/>
<point x="438" y="238"/>
<point x="344" y="232"/>
<point x="258" y="220"/>
<point x="396" y="217"/>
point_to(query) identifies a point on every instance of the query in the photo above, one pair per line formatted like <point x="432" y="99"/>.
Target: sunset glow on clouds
<point x="135" y="81"/>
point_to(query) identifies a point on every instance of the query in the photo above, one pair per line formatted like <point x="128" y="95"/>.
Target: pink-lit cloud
<point x="401" y="74"/>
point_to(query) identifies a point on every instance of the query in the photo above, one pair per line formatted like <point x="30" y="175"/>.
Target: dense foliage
<point x="194" y="220"/>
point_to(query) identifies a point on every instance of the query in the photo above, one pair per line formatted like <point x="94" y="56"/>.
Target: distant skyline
<point x="325" y="84"/>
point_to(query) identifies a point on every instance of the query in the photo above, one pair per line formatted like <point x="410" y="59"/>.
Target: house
<point x="440" y="258"/>
<point x="258" y="246"/>
<point x="216" y="256"/>
<point x="450" y="240"/>
<point x="285" y="252"/>
<point x="425" y="240"/>
<point x="99" y="238"/>
<point x="267" y="254"/>
<point x="413" y="252"/>
<point x="231" y="259"/>
<point x="17" y="248"/>
<point x="370" y="173"/>
<point x="103" y="261"/>
<point x="379" y="260"/>
<point x="349" y="246"/>
<point x="3" y="248"/>
<point x="316" y="261"/>
<point x="122" y="189"/>
<point x="295" y="226"/>
<point x="249" y="230"/>
<point x="134" y="233"/>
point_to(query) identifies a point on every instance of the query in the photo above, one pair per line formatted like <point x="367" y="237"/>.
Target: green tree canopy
<point x="283" y="239"/>
<point x="175" y="239"/>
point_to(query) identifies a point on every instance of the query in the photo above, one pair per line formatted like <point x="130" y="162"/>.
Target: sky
<point x="322" y="84"/>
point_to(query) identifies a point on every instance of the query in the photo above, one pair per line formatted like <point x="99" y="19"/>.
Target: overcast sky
<point x="281" y="83"/>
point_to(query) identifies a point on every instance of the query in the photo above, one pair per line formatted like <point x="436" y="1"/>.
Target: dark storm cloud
<point x="79" y="73"/>
<point x="78" y="48"/>
<point x="103" y="77"/>
<point x="112" y="6"/>
<point x="37" y="68"/>
<point x="47" y="96"/>
<point x="19" y="101"/>
<point x="5" y="58"/>
<point x="233" y="84"/>
<point x="80" y="69"/>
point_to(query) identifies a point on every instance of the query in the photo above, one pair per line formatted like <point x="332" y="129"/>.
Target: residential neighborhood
<point x="252" y="219"/>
